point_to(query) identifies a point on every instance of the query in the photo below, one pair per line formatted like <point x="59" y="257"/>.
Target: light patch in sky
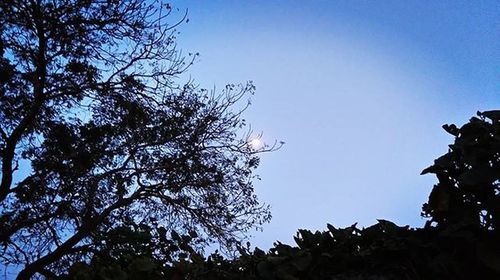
<point x="256" y="143"/>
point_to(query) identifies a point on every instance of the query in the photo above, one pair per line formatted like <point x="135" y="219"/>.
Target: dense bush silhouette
<point x="468" y="188"/>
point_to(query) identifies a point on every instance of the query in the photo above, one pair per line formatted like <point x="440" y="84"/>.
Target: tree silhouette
<point x="469" y="175"/>
<point x="96" y="136"/>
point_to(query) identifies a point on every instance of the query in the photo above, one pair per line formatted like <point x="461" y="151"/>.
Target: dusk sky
<point x="358" y="90"/>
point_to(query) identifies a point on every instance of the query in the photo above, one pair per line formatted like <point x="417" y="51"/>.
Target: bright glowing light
<point x="256" y="143"/>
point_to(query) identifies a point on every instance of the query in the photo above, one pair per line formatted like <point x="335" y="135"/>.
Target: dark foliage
<point x="468" y="190"/>
<point x="99" y="142"/>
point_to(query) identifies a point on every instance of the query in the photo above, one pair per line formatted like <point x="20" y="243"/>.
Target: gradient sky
<point x="358" y="90"/>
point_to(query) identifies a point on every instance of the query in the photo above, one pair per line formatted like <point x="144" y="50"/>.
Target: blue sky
<point x="358" y="90"/>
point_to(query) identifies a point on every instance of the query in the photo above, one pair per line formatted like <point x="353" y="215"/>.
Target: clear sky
<point x="358" y="90"/>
